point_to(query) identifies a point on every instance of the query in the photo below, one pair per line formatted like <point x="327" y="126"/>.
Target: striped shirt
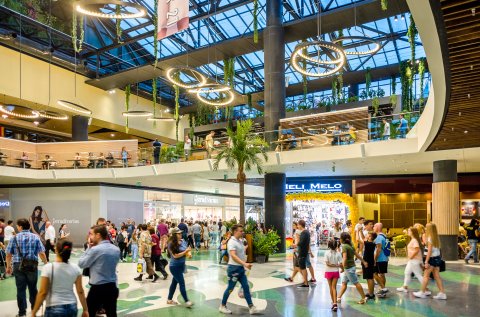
<point x="28" y="243"/>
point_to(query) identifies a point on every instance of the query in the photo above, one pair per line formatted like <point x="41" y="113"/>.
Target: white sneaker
<point x="188" y="304"/>
<point x="224" y="310"/>
<point x="428" y="293"/>
<point x="402" y="289"/>
<point x="254" y="311"/>
<point x="420" y="294"/>
<point x="440" y="296"/>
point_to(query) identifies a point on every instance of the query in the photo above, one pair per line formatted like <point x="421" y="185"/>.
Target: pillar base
<point x="449" y="247"/>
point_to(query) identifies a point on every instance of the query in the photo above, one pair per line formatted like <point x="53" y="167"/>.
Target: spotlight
<point x="111" y="91"/>
<point x="36" y="122"/>
<point x="403" y="17"/>
<point x="396" y="18"/>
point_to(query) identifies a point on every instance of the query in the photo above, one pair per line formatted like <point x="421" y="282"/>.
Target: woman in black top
<point x="472" y="236"/>
<point x="369" y="257"/>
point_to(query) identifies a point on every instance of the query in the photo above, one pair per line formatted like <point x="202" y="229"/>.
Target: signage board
<point x="4" y="203"/>
<point x="173" y="17"/>
<point x="203" y="200"/>
<point x="318" y="185"/>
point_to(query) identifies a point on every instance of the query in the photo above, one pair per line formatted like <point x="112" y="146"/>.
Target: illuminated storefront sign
<point x="295" y="185"/>
<point x="4" y="203"/>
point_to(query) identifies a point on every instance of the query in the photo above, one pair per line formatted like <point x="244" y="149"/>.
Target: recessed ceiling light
<point x="112" y="135"/>
<point x="36" y="122"/>
<point x="112" y="91"/>
<point x="396" y="18"/>
<point x="466" y="131"/>
<point x="403" y="17"/>
<point x="459" y="113"/>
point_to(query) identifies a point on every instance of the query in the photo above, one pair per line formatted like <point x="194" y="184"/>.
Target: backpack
<point x="387" y="249"/>
<point x="120" y="238"/>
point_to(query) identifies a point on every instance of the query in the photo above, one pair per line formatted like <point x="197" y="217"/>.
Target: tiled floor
<point x="206" y="281"/>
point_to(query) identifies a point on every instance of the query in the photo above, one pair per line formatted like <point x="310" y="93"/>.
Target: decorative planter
<point x="261" y="258"/>
<point x="249" y="238"/>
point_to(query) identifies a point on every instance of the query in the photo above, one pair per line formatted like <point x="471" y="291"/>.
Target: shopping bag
<point x="141" y="266"/>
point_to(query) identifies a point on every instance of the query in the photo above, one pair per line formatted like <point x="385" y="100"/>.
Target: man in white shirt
<point x="358" y="235"/>
<point x="236" y="271"/>
<point x="386" y="129"/>
<point x="49" y="239"/>
<point x="9" y="232"/>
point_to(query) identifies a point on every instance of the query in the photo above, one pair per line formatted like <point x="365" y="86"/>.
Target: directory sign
<point x="318" y="185"/>
<point x="173" y="17"/>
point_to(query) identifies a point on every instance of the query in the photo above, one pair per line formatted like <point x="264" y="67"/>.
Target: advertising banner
<point x="173" y="17"/>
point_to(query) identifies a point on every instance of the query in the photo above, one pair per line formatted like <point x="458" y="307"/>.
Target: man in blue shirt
<point x="101" y="258"/>
<point x="25" y="246"/>
<point x="381" y="260"/>
<point x="183" y="226"/>
<point x="403" y="127"/>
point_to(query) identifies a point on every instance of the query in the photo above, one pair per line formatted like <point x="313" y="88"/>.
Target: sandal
<point x="171" y="302"/>
<point x="288" y="279"/>
<point x="361" y="302"/>
<point x="339" y="299"/>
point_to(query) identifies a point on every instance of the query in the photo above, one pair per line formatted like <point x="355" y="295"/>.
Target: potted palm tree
<point x="244" y="152"/>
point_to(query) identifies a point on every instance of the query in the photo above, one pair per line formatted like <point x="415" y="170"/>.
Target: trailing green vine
<point x="368" y="81"/>
<point x="375" y="104"/>
<point x="191" y="123"/>
<point x="384" y="4"/>
<point x="154" y="98"/>
<point x="255" y="21"/>
<point x="421" y="73"/>
<point x="177" y="103"/>
<point x="117" y="24"/>
<point x="229" y="72"/>
<point x="340" y="86"/>
<point x="77" y="42"/>
<point x="155" y="32"/>
<point x="334" y="91"/>
<point x="127" y="105"/>
<point x="393" y="95"/>
<point x="406" y="79"/>
<point x="412" y="35"/>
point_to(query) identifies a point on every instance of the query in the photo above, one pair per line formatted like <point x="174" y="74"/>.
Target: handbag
<point x="443" y="265"/>
<point x="141" y="266"/>
<point x="26" y="265"/>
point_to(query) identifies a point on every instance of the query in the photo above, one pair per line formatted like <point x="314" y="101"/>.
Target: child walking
<point x="333" y="262"/>
<point x="369" y="257"/>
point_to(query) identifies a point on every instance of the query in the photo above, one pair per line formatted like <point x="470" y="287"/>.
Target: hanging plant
<point x="117" y="24"/>
<point x="155" y="32"/>
<point x="384" y="4"/>
<point x="127" y="105"/>
<point x="255" y="21"/>
<point x="368" y="81"/>
<point x="404" y="65"/>
<point x="340" y="87"/>
<point x="229" y="72"/>
<point x="177" y="104"/>
<point x="77" y="42"/>
<point x="154" y="98"/>
<point x="421" y="73"/>
<point x="375" y="105"/>
<point x="340" y="34"/>
<point x="412" y="35"/>
<point x="393" y="95"/>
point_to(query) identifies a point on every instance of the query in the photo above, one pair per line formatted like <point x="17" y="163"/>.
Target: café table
<point x="75" y="161"/>
<point x="22" y="161"/>
<point x="48" y="161"/>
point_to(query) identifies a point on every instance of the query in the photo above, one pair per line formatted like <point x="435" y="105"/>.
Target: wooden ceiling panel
<point x="461" y="126"/>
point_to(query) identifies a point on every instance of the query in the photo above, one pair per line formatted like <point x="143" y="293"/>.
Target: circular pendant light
<point x="53" y="115"/>
<point x="192" y="72"/>
<point x="74" y="107"/>
<point x="83" y="6"/>
<point x="335" y="49"/>
<point x="137" y="113"/>
<point x="19" y="111"/>
<point x="215" y="88"/>
<point x="359" y="42"/>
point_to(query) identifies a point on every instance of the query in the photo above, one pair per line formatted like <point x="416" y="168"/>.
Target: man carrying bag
<point x="22" y="260"/>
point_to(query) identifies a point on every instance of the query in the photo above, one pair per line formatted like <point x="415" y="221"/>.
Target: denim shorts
<point x="350" y="275"/>
<point x="435" y="261"/>
<point x="68" y="310"/>
<point x="309" y="264"/>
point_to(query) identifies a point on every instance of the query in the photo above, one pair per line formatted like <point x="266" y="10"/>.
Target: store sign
<point x="318" y="186"/>
<point x="173" y="17"/>
<point x="203" y="200"/>
<point x="4" y="203"/>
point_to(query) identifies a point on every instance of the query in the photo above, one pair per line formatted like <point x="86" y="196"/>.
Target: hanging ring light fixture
<point x="202" y="80"/>
<point x="137" y="113"/>
<point x="53" y="115"/>
<point x="83" y="7"/>
<point x="360" y="40"/>
<point x="74" y="107"/>
<point x="160" y="119"/>
<point x="215" y="88"/>
<point x="19" y="111"/>
<point x="297" y="56"/>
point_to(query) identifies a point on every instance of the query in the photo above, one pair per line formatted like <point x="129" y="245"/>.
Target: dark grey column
<point x="79" y="128"/>
<point x="274" y="50"/>
<point x="275" y="205"/>
<point x="445" y="206"/>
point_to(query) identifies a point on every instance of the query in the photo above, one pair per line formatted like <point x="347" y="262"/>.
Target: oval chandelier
<point x="137" y="113"/>
<point x="190" y="71"/>
<point x="298" y="55"/>
<point x="160" y="119"/>
<point x="53" y="115"/>
<point x="83" y="6"/>
<point x="74" y="107"/>
<point x="19" y="111"/>
<point x="360" y="39"/>
<point x="214" y="88"/>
